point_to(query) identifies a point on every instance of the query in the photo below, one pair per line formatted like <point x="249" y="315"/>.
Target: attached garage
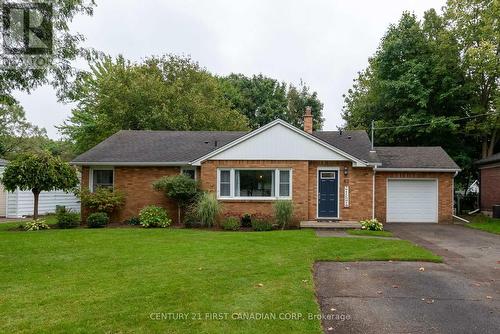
<point x="412" y="200"/>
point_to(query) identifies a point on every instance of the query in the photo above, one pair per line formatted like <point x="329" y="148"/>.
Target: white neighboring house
<point x="19" y="204"/>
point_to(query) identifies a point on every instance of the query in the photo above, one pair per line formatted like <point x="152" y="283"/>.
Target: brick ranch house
<point x="328" y="175"/>
<point x="489" y="181"/>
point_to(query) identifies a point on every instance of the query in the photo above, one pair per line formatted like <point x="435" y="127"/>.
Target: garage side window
<point x="102" y="178"/>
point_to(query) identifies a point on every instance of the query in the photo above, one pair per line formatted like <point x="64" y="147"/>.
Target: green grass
<point x="370" y="233"/>
<point x="485" y="223"/>
<point x="112" y="280"/>
<point x="49" y="220"/>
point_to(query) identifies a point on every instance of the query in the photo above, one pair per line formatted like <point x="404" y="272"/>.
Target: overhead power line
<point x="430" y="123"/>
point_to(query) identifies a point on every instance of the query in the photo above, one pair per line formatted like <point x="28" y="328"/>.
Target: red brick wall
<point x="490" y="187"/>
<point x="304" y="186"/>
<point x="136" y="183"/>
<point x="265" y="208"/>
<point x="359" y="181"/>
<point x="445" y="185"/>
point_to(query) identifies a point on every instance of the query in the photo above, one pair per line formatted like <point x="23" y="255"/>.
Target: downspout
<point x="373" y="191"/>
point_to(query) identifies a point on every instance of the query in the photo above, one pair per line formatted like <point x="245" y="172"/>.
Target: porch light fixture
<point x="346" y="171"/>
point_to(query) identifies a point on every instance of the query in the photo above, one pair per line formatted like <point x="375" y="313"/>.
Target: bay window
<point x="254" y="183"/>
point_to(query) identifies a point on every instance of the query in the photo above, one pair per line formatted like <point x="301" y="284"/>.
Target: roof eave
<point x="446" y="170"/>
<point x="132" y="163"/>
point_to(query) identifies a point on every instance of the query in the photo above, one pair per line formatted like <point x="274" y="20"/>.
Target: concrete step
<point x="330" y="224"/>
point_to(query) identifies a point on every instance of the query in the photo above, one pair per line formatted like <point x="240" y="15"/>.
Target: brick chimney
<point x="308" y="121"/>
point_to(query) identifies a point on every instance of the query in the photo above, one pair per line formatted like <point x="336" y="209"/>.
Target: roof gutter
<point x="138" y="164"/>
<point x="435" y="170"/>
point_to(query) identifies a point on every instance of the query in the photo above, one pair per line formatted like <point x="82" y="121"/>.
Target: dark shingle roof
<point x="157" y="146"/>
<point x="492" y="159"/>
<point x="354" y="142"/>
<point x="186" y="146"/>
<point x="415" y="157"/>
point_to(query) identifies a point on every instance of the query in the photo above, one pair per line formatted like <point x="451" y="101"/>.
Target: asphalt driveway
<point x="462" y="295"/>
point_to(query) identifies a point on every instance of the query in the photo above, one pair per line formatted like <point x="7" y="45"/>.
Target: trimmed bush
<point x="133" y="221"/>
<point x="262" y="225"/>
<point x="371" y="225"/>
<point x="36" y="225"/>
<point x="67" y="218"/>
<point x="283" y="212"/>
<point x="154" y="216"/>
<point x="180" y="188"/>
<point x="97" y="219"/>
<point x="207" y="209"/>
<point x="231" y="224"/>
<point x="101" y="200"/>
<point x="246" y="220"/>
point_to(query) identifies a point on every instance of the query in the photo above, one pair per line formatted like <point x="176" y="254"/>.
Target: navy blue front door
<point x="327" y="193"/>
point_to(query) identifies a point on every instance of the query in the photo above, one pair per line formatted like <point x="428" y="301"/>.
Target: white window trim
<point x="248" y="198"/>
<point x="190" y="168"/>
<point x="91" y="176"/>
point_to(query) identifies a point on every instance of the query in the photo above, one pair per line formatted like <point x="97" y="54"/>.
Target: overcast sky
<point x="325" y="43"/>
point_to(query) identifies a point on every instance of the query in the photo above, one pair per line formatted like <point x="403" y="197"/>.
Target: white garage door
<point x="412" y="201"/>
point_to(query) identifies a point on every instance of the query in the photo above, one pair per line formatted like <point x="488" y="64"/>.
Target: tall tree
<point x="38" y="172"/>
<point x="167" y="93"/>
<point x="262" y="99"/>
<point x="476" y="26"/>
<point x="65" y="48"/>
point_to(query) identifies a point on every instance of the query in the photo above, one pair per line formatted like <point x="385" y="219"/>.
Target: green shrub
<point x="207" y="209"/>
<point x="283" y="212"/>
<point x="246" y="220"/>
<point x="101" y="200"/>
<point x="154" y="216"/>
<point x="231" y="224"/>
<point x="67" y="218"/>
<point x="262" y="225"/>
<point x="133" y="221"/>
<point x="191" y="219"/>
<point x="97" y="219"/>
<point x="180" y="188"/>
<point x="36" y="225"/>
<point x="371" y="225"/>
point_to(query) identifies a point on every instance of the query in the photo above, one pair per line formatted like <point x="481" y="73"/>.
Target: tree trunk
<point x="36" y="194"/>
<point x="493" y="142"/>
<point x="484" y="149"/>
<point x="178" y="213"/>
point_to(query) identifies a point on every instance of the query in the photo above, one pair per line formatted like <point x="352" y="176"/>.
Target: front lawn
<point x="485" y="223"/>
<point x="127" y="280"/>
<point x="369" y="233"/>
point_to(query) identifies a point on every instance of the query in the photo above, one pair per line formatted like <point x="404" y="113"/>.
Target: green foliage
<point x="67" y="218"/>
<point x="101" y="200"/>
<point x="262" y="225"/>
<point x="97" y="219"/>
<point x="166" y="93"/>
<point x="246" y="220"/>
<point x="231" y="224"/>
<point x="283" y="212"/>
<point x="262" y="99"/>
<point x="38" y="172"/>
<point x="36" y="225"/>
<point x="66" y="47"/>
<point x="207" y="209"/>
<point x="485" y="223"/>
<point x="434" y="72"/>
<point x="371" y="225"/>
<point x="180" y="188"/>
<point x="134" y="221"/>
<point x="154" y="216"/>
